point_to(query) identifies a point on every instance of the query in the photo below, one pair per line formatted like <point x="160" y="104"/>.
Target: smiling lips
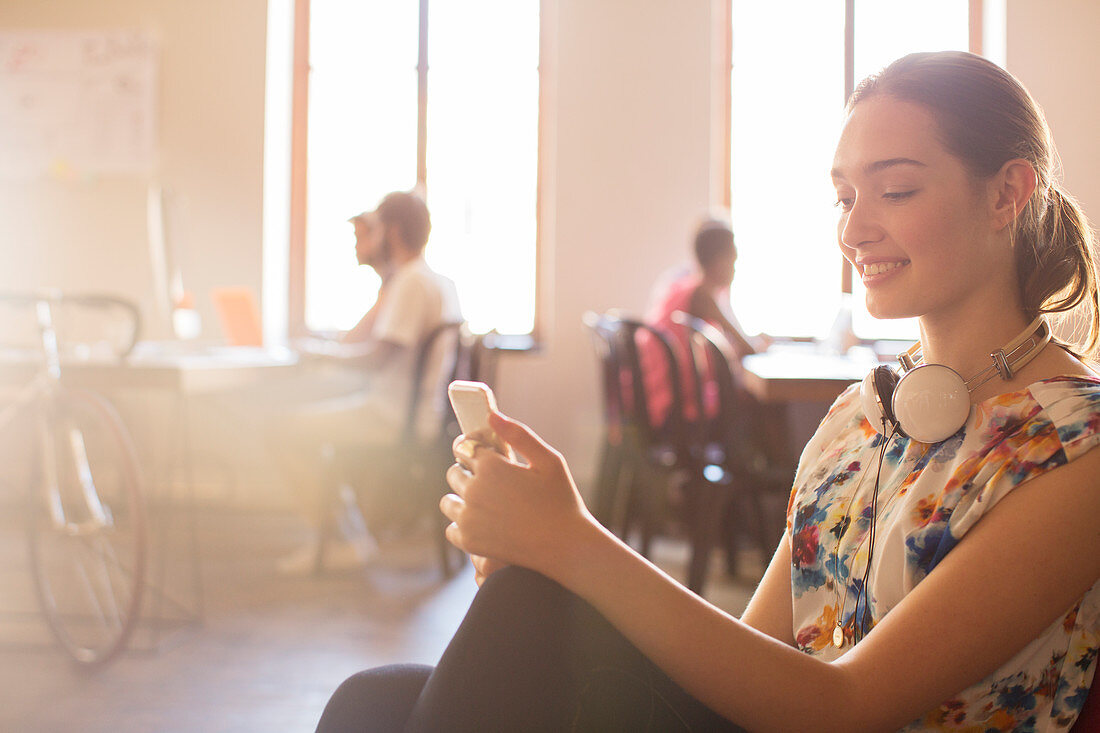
<point x="872" y="270"/>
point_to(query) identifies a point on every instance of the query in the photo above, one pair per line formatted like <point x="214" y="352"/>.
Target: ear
<point x="393" y="235"/>
<point x="1010" y="189"/>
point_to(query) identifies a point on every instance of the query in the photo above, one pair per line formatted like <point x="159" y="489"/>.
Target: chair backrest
<point x="457" y="352"/>
<point x="619" y="341"/>
<point x="602" y="329"/>
<point x="484" y="356"/>
<point x="713" y="359"/>
<point x="634" y="335"/>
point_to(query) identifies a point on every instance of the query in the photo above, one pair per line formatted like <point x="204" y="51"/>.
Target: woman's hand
<point x="484" y="567"/>
<point x="503" y="512"/>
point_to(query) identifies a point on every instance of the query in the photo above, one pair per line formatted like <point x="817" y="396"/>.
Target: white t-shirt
<point x="417" y="300"/>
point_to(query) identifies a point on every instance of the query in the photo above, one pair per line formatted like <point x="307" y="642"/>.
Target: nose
<point x="858" y="226"/>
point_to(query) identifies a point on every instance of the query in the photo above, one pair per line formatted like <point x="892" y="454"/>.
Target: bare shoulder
<point x="1057" y="362"/>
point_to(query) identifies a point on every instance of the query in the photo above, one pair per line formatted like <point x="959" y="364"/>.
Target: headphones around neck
<point x="931" y="402"/>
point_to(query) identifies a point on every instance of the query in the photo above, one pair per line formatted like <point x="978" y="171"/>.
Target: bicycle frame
<point x="41" y="391"/>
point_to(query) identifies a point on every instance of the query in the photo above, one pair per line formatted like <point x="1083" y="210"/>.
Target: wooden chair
<point x="728" y="471"/>
<point x="394" y="486"/>
<point x="602" y="330"/>
<point x="639" y="459"/>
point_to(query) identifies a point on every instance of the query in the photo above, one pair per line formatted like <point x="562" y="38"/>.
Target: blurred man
<point x="412" y="302"/>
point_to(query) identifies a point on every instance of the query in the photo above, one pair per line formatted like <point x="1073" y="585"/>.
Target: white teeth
<point x="877" y="268"/>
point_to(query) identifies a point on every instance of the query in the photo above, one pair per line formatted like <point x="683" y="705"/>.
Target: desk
<point x="795" y="383"/>
<point x="184" y="372"/>
<point x="802" y="373"/>
<point x="180" y="372"/>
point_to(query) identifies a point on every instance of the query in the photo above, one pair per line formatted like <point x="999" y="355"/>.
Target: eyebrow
<point x="881" y="165"/>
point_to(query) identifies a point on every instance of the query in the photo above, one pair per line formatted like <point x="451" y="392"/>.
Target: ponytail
<point x="1056" y="270"/>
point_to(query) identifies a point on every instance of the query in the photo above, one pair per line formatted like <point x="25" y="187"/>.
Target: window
<point x="440" y="95"/>
<point x="788" y="90"/>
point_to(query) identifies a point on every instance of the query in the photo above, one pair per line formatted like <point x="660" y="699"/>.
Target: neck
<point x="400" y="256"/>
<point x="712" y="285"/>
<point x="965" y="345"/>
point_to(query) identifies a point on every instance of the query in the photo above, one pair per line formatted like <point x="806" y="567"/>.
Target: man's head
<point x="405" y="222"/>
<point x="370" y="247"/>
<point x="715" y="251"/>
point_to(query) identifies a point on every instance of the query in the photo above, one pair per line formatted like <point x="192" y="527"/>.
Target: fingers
<point x="464" y="450"/>
<point x="454" y="535"/>
<point x="451" y="505"/>
<point x="458" y="478"/>
<point x="538" y="453"/>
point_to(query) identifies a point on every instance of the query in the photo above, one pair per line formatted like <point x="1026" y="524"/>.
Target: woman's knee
<point x="378" y="699"/>
<point x="515" y="589"/>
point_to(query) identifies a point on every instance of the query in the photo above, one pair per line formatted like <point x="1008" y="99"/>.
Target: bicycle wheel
<point x="87" y="526"/>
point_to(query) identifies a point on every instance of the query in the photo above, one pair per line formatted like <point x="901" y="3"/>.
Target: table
<point x="180" y="371"/>
<point x="185" y="371"/>
<point x="795" y="383"/>
<point x="804" y="372"/>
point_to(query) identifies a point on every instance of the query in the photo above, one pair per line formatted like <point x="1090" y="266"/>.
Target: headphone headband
<point x="930" y="402"/>
<point x="1006" y="360"/>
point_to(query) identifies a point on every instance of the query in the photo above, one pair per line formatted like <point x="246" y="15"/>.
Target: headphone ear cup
<point x="931" y="403"/>
<point x="869" y="401"/>
<point x="886" y="381"/>
<point x="876" y="395"/>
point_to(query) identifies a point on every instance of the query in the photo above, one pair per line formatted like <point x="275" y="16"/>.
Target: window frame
<point x="299" y="135"/>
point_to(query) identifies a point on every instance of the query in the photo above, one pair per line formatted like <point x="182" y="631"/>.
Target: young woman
<point x="950" y="584"/>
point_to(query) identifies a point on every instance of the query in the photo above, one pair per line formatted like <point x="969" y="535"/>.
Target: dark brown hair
<point x="986" y="118"/>
<point x="713" y="238"/>
<point x="409" y="213"/>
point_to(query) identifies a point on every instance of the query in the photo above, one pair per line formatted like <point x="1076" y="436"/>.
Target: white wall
<point x="627" y="177"/>
<point x="627" y="164"/>
<point x="90" y="234"/>
<point x="1054" y="49"/>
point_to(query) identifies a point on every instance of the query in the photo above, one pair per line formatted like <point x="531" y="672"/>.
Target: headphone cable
<point x="860" y="629"/>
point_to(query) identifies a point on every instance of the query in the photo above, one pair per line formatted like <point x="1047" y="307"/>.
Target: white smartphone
<point x="472" y="402"/>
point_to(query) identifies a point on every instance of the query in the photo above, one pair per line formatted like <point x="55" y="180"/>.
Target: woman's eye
<point x="844" y="204"/>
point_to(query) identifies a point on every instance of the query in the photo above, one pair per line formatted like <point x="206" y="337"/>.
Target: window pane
<point x="788" y="99"/>
<point x="362" y="141"/>
<point x="482" y="155"/>
<point x="886" y="31"/>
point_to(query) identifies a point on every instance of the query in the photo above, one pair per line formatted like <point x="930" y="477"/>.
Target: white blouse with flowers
<point x="930" y="495"/>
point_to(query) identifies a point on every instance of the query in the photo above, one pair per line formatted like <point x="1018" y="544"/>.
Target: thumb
<point x="537" y="452"/>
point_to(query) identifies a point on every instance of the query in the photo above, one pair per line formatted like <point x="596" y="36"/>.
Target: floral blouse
<point x="929" y="496"/>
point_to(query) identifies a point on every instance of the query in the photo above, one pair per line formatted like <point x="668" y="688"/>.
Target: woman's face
<point x="913" y="223"/>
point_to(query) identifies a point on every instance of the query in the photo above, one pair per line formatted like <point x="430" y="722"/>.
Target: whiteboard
<point x="75" y="103"/>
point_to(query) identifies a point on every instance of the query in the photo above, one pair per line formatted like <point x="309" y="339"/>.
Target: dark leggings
<point x="529" y="656"/>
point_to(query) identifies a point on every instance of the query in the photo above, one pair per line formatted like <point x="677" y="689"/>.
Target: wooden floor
<point x="269" y="649"/>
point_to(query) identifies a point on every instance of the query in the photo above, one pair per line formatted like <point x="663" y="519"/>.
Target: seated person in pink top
<point x="704" y="293"/>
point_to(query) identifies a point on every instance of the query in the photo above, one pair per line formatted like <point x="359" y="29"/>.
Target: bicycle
<point x="85" y="518"/>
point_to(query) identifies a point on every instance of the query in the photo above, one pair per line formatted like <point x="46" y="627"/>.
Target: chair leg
<point x="607" y="482"/>
<point x="706" y="525"/>
<point x="653" y="484"/>
<point x="330" y="504"/>
<point x="621" y="519"/>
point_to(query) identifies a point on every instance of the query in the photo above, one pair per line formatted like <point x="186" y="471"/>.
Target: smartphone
<point x="472" y="402"/>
